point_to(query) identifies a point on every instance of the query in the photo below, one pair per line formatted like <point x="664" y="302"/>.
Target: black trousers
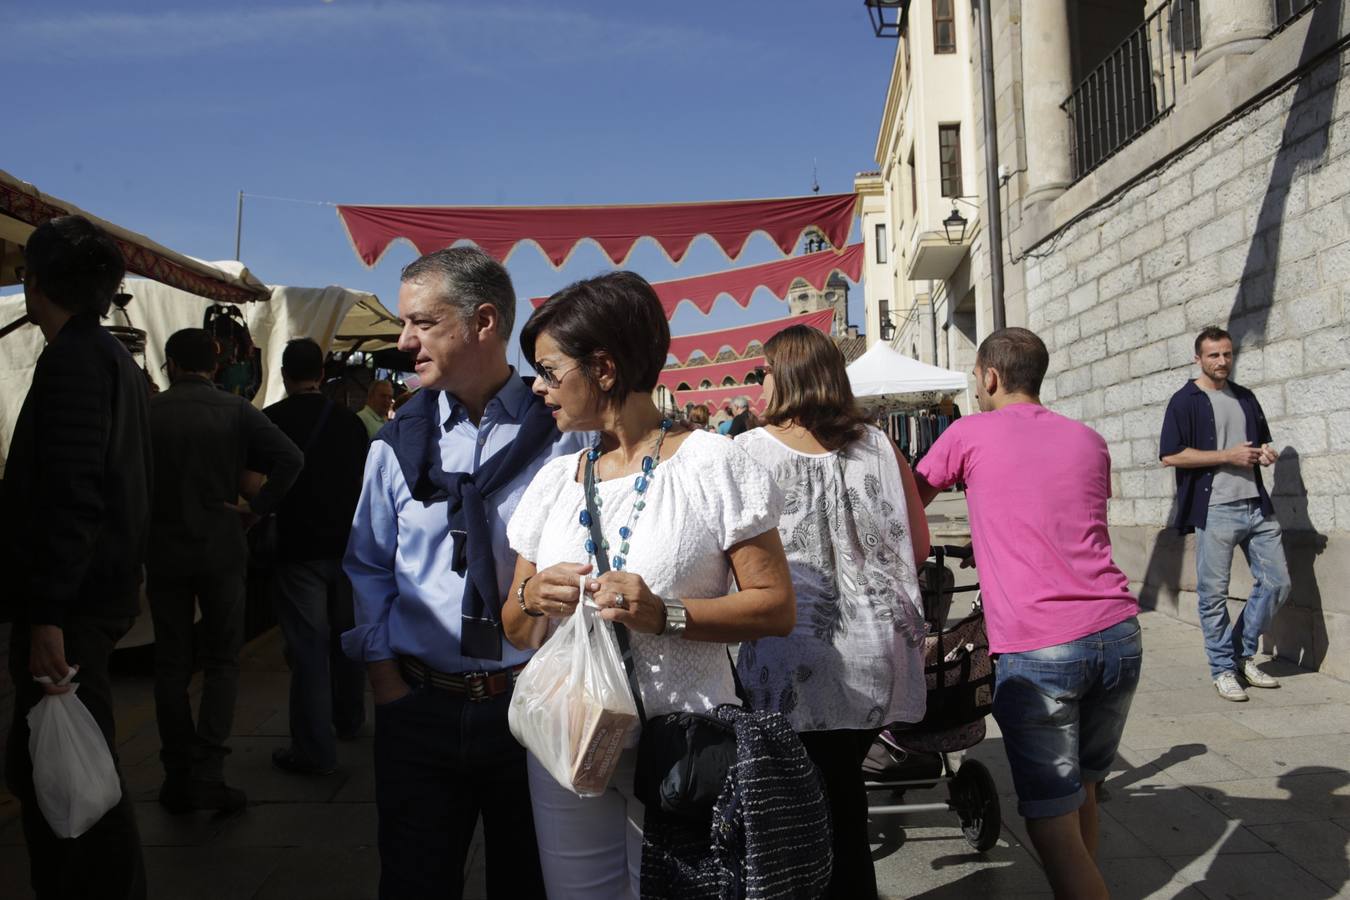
<point x="105" y="861"/>
<point x="839" y="756"/>
<point x="441" y="762"/>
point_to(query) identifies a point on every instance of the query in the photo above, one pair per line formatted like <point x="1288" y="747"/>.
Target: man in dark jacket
<point x="313" y="595"/>
<point x="76" y="514"/>
<point x="203" y="440"/>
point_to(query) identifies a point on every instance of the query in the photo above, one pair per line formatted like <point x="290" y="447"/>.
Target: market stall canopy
<point x="739" y="284"/>
<point x="739" y="339"/>
<point x="556" y="230"/>
<point x="368" y="326"/>
<point x="161" y="310"/>
<point x="693" y="376"/>
<point x="882" y="377"/>
<point x="23" y="207"/>
<point x="716" y="398"/>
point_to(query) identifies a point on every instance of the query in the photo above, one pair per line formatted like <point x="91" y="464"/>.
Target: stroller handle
<point x="964" y="551"/>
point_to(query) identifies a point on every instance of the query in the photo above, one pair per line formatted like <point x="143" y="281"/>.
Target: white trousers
<point x="590" y="848"/>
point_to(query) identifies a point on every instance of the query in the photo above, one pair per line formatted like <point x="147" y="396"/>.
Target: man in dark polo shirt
<point x="75" y="516"/>
<point x="313" y="595"/>
<point x="1215" y="435"/>
<point x="203" y="440"/>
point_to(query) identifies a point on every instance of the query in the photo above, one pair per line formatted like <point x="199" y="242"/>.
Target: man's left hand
<point x="1269" y="456"/>
<point x="625" y="598"/>
<point x="47" y="657"/>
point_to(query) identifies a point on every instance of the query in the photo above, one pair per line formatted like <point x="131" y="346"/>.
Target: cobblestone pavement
<point x="1209" y="799"/>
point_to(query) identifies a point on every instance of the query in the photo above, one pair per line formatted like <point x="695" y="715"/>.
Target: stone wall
<point x="1250" y="229"/>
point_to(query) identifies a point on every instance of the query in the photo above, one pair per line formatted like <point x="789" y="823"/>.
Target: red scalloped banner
<point x="739" y="369"/>
<point x="739" y="284"/>
<point x="616" y="229"/>
<point x="739" y="339"/>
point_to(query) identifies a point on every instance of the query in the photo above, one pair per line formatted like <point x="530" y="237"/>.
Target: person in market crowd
<point x="1215" y="435"/>
<point x="854" y="662"/>
<point x="379" y="400"/>
<point x="698" y="418"/>
<point x="313" y="597"/>
<point x="1059" y="612"/>
<point x="429" y="561"/>
<point x="724" y="420"/>
<point x="698" y="510"/>
<point x="76" y="514"/>
<point x="204" y="439"/>
<point x="742" y="419"/>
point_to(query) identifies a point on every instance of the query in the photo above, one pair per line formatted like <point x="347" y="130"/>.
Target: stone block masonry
<point x="1248" y="229"/>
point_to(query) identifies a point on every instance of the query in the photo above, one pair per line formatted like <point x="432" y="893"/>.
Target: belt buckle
<point x="476" y="685"/>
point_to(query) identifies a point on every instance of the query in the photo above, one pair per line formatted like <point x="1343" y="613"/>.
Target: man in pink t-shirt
<point x="1059" y="611"/>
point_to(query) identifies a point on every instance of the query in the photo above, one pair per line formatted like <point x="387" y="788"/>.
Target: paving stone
<point x="1149" y="732"/>
<point x="320" y="873"/>
<point x="1299" y="796"/>
<point x="1171" y="820"/>
<point x="209" y="873"/>
<point x="1290" y="721"/>
<point x="1145" y="878"/>
<point x="1252" y="875"/>
<point x="160" y="828"/>
<point x="1273" y="757"/>
<point x="329" y="825"/>
<point x="1322" y="851"/>
<point x="931" y="862"/>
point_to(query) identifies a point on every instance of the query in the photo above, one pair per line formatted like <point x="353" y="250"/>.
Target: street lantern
<point x="888" y="16"/>
<point x="887" y="331"/>
<point x="955" y="226"/>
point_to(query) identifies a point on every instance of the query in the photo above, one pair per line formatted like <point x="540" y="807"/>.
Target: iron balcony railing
<point x="1286" y="11"/>
<point x="1135" y="85"/>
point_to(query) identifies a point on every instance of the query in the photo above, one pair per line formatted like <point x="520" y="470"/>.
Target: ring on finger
<point x="620" y="602"/>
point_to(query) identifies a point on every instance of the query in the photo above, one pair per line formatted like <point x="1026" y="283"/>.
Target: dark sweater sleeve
<point x="275" y="454"/>
<point x="73" y="425"/>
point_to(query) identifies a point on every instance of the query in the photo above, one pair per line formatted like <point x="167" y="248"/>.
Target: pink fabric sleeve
<point x="944" y="463"/>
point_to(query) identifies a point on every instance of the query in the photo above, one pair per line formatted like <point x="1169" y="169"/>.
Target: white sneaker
<point x="1229" y="689"/>
<point x="1255" y="677"/>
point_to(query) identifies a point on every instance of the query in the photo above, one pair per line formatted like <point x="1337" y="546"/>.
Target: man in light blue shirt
<point x="429" y="562"/>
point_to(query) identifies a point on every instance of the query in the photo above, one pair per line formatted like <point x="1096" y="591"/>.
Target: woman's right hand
<point x="555" y="591"/>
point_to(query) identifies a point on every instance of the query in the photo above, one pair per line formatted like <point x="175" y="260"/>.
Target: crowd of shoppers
<point x="434" y="552"/>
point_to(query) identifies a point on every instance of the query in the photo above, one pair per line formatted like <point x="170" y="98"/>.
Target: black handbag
<point x="683" y="758"/>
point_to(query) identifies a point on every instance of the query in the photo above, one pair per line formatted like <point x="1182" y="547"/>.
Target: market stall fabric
<point x="556" y="230"/>
<point x="368" y="326"/>
<point x="739" y="284"/>
<point x="739" y="339"/>
<point x="882" y="377"/>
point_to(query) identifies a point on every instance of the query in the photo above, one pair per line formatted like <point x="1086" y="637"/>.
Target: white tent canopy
<point x="161" y="310"/>
<point x="882" y="377"/>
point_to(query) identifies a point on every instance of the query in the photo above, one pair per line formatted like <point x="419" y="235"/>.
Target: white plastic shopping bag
<point x="73" y="772"/>
<point x="572" y="706"/>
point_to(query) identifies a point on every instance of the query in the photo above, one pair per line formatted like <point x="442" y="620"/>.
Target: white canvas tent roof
<point x="368" y="326"/>
<point x="161" y="310"/>
<point x="883" y="377"/>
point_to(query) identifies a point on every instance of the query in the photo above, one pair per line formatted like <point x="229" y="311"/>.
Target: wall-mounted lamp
<point x="888" y="16"/>
<point x="955" y="226"/>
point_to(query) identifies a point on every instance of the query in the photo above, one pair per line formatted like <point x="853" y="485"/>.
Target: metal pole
<point x="238" y="226"/>
<point x="991" y="165"/>
<point x="932" y="318"/>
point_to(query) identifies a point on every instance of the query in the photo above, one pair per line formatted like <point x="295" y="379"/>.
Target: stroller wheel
<point x="974" y="797"/>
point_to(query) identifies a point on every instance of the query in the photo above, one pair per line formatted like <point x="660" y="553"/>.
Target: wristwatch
<point x="676" y="618"/>
<point x="520" y="598"/>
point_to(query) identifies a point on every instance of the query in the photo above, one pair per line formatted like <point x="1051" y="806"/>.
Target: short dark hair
<point x="193" y="350"/>
<point x="470" y="278"/>
<point x="617" y="314"/>
<point x="1211" y="333"/>
<point x="1019" y="356"/>
<point x="75" y="264"/>
<point x="302" y="360"/>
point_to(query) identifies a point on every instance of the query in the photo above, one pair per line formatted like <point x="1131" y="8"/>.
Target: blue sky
<point x="154" y="114"/>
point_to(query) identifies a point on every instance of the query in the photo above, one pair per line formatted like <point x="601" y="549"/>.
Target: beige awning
<point x="368" y="326"/>
<point x="23" y="207"/>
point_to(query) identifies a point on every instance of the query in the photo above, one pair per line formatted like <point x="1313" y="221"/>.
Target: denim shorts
<point x="1062" y="710"/>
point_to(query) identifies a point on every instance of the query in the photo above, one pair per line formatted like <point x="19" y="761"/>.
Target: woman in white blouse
<point x="683" y="511"/>
<point x="853" y="528"/>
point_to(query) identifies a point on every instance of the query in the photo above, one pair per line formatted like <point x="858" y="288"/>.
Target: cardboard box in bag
<point x="598" y="736"/>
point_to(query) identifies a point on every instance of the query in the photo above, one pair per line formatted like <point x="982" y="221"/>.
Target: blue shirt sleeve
<point x="1174" y="437"/>
<point x="369" y="561"/>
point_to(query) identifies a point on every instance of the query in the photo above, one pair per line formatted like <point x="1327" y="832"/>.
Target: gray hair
<point x="471" y="278"/>
<point x="741" y="402"/>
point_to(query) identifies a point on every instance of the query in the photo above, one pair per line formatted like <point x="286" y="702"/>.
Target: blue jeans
<point x="1229" y="525"/>
<point x="1062" y="710"/>
<point x="314" y="607"/>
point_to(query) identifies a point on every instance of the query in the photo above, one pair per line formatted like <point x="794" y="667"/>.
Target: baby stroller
<point x="960" y="686"/>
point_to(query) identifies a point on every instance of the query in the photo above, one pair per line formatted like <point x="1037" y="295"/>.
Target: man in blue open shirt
<point x="1221" y="497"/>
<point x="429" y="562"/>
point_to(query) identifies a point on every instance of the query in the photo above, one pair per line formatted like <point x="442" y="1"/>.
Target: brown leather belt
<point x="477" y="686"/>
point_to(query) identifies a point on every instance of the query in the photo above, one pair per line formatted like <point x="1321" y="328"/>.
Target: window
<point x="949" y="158"/>
<point x="913" y="186"/>
<point x="881" y="242"/>
<point x="944" y="26"/>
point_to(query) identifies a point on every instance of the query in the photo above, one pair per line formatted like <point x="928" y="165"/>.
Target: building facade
<point x="1170" y="165"/>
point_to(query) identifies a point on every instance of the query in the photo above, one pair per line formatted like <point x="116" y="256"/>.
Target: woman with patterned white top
<point x="682" y="511"/>
<point x="853" y="528"/>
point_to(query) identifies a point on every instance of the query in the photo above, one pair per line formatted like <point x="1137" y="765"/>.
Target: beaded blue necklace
<point x="640" y="485"/>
